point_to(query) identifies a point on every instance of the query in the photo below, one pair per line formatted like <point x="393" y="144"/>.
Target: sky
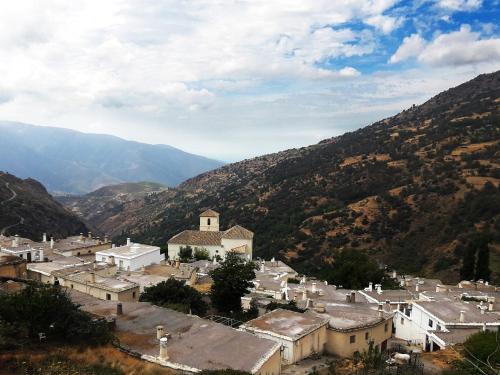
<point x="235" y="79"/>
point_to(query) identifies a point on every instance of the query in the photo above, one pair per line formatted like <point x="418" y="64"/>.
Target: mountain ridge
<point x="67" y="161"/>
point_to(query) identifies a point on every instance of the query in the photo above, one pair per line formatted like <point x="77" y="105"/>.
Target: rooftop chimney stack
<point x="381" y="314"/>
<point x="163" y="348"/>
<point x="462" y="316"/>
<point x="159" y="332"/>
<point x="370" y="286"/>
<point x="348" y="298"/>
<point x="353" y="296"/>
<point x="90" y="235"/>
<point x="394" y="274"/>
<point x="304" y="280"/>
<point x="51" y="242"/>
<point x="81" y="236"/>
<point x="106" y="238"/>
<point x="491" y="301"/>
<point x="128" y="242"/>
<point x="304" y="294"/>
<point x="313" y="289"/>
<point x="44" y="238"/>
<point x="416" y="287"/>
<point x="15" y="241"/>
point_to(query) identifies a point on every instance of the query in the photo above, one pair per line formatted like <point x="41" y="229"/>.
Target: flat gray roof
<point x="193" y="342"/>
<point x="449" y="312"/>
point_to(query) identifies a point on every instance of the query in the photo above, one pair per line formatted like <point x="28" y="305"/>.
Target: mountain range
<point x="66" y="161"/>
<point x="410" y="191"/>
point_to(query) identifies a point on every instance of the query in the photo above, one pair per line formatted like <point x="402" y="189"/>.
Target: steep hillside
<point x="99" y="206"/>
<point x="28" y="210"/>
<point x="409" y="190"/>
<point x="66" y="161"/>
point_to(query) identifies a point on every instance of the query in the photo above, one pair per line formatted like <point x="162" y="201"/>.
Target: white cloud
<point x="412" y="46"/>
<point x="384" y="23"/>
<point x="460" y="5"/>
<point x="460" y="47"/>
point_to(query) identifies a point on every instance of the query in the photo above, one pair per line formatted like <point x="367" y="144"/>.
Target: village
<point x="311" y="320"/>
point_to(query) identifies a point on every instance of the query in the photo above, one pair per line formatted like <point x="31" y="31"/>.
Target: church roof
<point x="210" y="238"/>
<point x="238" y="232"/>
<point x="209" y="213"/>
<point x="197" y="238"/>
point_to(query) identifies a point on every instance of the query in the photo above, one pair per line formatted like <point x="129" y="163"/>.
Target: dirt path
<point x="21" y="220"/>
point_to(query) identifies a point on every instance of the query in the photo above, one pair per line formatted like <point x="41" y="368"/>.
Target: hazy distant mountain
<point x="66" y="161"/>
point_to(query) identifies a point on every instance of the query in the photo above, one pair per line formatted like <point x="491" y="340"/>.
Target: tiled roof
<point x="197" y="238"/>
<point x="210" y="238"/>
<point x="238" y="232"/>
<point x="209" y="213"/>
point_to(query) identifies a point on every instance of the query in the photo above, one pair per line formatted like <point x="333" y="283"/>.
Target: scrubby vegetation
<point x="175" y="295"/>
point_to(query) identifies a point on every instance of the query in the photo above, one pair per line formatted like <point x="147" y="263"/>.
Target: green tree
<point x="352" y="269"/>
<point x="231" y="282"/>
<point x="176" y="295"/>
<point x="201" y="254"/>
<point x="40" y="308"/>
<point x="185" y="253"/>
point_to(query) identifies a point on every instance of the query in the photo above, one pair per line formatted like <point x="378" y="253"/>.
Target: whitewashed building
<point x="437" y="324"/>
<point x="131" y="257"/>
<point x="236" y="239"/>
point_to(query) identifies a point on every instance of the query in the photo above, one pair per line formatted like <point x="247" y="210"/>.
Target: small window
<point x="431" y="323"/>
<point x="367" y="335"/>
<point x="438" y="327"/>
<point x="78" y="253"/>
<point x="133" y="295"/>
<point x="89" y="251"/>
<point x="208" y="221"/>
<point x="386" y="327"/>
<point x="352" y="339"/>
<point x="108" y="296"/>
<point x="71" y="286"/>
<point x="402" y="321"/>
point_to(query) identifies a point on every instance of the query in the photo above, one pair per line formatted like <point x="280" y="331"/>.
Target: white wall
<point x="173" y="250"/>
<point x="229" y="244"/>
<point x="135" y="263"/>
<point x="415" y="327"/>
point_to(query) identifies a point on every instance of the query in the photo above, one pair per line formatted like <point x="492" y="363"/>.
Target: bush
<point x="176" y="295"/>
<point x="185" y="253"/>
<point x="201" y="254"/>
<point x="482" y="344"/>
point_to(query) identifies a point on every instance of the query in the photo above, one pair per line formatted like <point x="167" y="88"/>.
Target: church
<point x="236" y="239"/>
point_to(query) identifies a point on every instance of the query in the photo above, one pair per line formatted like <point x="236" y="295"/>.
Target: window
<point x="438" y="327"/>
<point x="133" y="295"/>
<point x="103" y="259"/>
<point x="367" y="335"/>
<point x="386" y="327"/>
<point x="78" y="253"/>
<point x="121" y="264"/>
<point x="431" y="323"/>
<point x="88" y="251"/>
<point x="71" y="286"/>
<point x="402" y="321"/>
<point x="352" y="339"/>
<point x="208" y="221"/>
<point x="108" y="296"/>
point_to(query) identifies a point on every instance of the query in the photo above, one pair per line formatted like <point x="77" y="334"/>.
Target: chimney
<point x="313" y="290"/>
<point x="416" y="287"/>
<point x="92" y="277"/>
<point x="262" y="266"/>
<point x="81" y="236"/>
<point x="308" y="303"/>
<point x="388" y="305"/>
<point x="394" y="274"/>
<point x="113" y="245"/>
<point x="15" y="241"/>
<point x="348" y="298"/>
<point x="462" y="316"/>
<point x="44" y="238"/>
<point x="128" y="242"/>
<point x="379" y="288"/>
<point x="353" y="296"/>
<point x="51" y="242"/>
<point x="380" y="306"/>
<point x="326" y="282"/>
<point x="159" y="332"/>
<point x="482" y="310"/>
<point x="163" y="348"/>
<point x="370" y="286"/>
<point x="119" y="309"/>
<point x="304" y="294"/>
<point x="491" y="301"/>
<point x="484" y="326"/>
<point x="106" y="238"/>
<point x="381" y="314"/>
<point x="177" y="263"/>
<point x="90" y="235"/>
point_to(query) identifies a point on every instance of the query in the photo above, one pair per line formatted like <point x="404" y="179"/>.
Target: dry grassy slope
<point x="400" y="189"/>
<point x="27" y="209"/>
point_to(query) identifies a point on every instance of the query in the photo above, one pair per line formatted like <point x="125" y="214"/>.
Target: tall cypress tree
<point x="483" y="260"/>
<point x="468" y="262"/>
